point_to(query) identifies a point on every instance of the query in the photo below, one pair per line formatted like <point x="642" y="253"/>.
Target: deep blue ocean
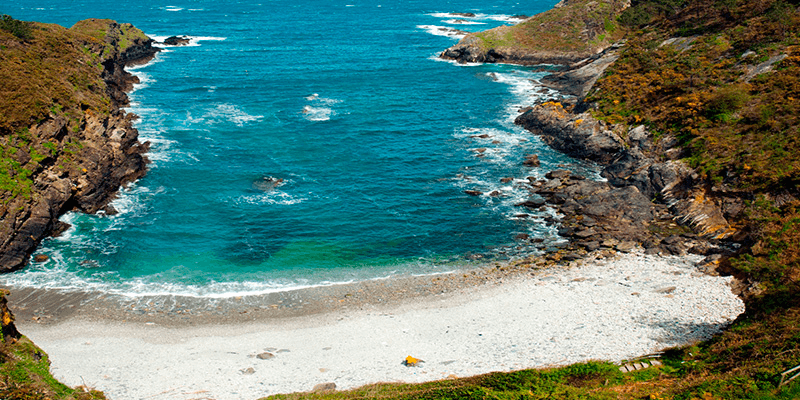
<point x="374" y="138"/>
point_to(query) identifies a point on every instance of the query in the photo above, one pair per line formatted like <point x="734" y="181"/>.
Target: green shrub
<point x="20" y="29"/>
<point x="726" y="101"/>
<point x="642" y="13"/>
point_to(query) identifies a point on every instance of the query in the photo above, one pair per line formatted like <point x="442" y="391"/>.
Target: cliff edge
<point x="65" y="142"/>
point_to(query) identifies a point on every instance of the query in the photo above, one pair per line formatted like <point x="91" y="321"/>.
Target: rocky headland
<point x="66" y="142"/>
<point x="572" y="31"/>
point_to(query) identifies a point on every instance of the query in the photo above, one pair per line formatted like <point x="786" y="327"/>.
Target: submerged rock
<point x="267" y="183"/>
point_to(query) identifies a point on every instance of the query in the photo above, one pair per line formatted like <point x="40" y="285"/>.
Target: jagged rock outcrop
<point x="630" y="159"/>
<point x="77" y="158"/>
<point x="581" y="76"/>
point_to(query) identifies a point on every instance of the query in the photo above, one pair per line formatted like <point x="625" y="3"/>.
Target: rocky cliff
<point x="65" y="142"/>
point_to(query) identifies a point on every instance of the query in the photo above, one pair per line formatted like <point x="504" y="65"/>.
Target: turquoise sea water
<point x="375" y="140"/>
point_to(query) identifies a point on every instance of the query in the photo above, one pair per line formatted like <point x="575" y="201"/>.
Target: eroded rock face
<point x="579" y="136"/>
<point x="97" y="156"/>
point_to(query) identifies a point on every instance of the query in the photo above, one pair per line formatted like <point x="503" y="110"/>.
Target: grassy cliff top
<point x="582" y="26"/>
<point x="46" y="69"/>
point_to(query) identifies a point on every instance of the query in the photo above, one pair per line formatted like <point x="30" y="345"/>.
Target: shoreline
<point x="475" y="322"/>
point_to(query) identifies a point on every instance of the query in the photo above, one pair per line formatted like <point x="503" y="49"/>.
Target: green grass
<point x="580" y="27"/>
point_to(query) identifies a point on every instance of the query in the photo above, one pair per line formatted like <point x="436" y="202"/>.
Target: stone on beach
<point x="265" y="356"/>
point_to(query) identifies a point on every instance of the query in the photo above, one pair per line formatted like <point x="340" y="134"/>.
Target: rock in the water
<point x="531" y="160"/>
<point x="177" y="41"/>
<point x="267" y="183"/>
<point x="473" y="192"/>
<point x="40" y="258"/>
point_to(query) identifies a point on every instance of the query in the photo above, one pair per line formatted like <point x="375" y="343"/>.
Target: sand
<point x="604" y="310"/>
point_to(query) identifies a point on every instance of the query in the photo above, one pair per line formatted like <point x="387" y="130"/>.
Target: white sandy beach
<point x="613" y="310"/>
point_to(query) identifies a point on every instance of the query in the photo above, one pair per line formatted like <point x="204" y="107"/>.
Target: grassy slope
<point x="25" y="368"/>
<point x="582" y="27"/>
<point x="743" y="138"/>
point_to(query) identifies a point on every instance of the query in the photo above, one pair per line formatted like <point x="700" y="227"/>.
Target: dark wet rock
<point x="473" y="192"/>
<point x="40" y="258"/>
<point x="531" y="160"/>
<point x="534" y="202"/>
<point x="460" y="14"/>
<point x="267" y="183"/>
<point x="177" y="41"/>
<point x="580" y="136"/>
<point x="522" y="236"/>
<point x="506" y="180"/>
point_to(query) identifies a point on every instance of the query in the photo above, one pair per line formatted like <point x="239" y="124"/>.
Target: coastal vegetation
<point x="25" y="368"/>
<point x="581" y="28"/>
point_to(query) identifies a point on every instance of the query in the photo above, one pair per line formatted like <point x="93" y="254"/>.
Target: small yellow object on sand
<point x="411" y="361"/>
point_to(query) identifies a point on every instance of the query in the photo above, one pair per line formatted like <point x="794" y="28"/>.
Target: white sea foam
<point x="442" y="31"/>
<point x="172" y="8"/>
<point x="320" y="109"/>
<point x="134" y="199"/>
<point x="54" y="275"/>
<point x="463" y="22"/>
<point x="273" y="197"/>
<point x="436" y="57"/>
<point x="194" y="41"/>
<point x="317" y="113"/>
<point x="222" y="113"/>
<point x="477" y="17"/>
